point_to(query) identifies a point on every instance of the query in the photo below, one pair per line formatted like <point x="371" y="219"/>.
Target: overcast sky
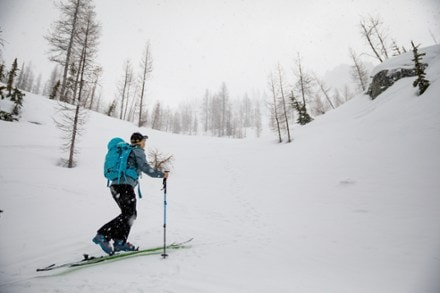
<point x="197" y="45"/>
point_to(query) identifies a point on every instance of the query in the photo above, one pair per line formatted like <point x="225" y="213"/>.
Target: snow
<point x="351" y="205"/>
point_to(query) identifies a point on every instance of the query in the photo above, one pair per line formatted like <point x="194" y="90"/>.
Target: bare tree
<point x="61" y="37"/>
<point x="325" y="90"/>
<point x="156" y="120"/>
<point x="37" y="86"/>
<point x="275" y="119"/>
<point x="73" y="117"/>
<point x="205" y="109"/>
<point x="258" y="123"/>
<point x="26" y="78"/>
<point x="96" y="75"/>
<point x="88" y="39"/>
<point x="372" y="29"/>
<point x="147" y="66"/>
<point x="127" y="80"/>
<point x="70" y="120"/>
<point x="2" y="44"/>
<point x="224" y="96"/>
<point x="283" y="101"/>
<point x="359" y="72"/>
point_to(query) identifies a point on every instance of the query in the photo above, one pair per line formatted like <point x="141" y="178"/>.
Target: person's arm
<point x="141" y="161"/>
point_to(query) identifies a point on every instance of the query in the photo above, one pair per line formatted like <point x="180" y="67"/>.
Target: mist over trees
<point x="294" y="95"/>
<point x="216" y="114"/>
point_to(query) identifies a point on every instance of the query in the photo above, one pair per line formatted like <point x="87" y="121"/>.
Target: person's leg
<point x="118" y="228"/>
<point x="126" y="199"/>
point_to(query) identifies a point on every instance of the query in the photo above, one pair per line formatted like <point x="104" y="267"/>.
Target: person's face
<point x="142" y="143"/>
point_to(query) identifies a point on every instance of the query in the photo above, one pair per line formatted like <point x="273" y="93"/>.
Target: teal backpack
<point x="115" y="164"/>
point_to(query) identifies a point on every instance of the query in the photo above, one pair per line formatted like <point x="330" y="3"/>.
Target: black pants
<point x="119" y="227"/>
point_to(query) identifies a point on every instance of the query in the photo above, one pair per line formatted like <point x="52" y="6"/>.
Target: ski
<point x="89" y="260"/>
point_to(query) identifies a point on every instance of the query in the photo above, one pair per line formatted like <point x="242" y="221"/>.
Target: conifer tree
<point x="13" y="93"/>
<point x="303" y="116"/>
<point x="11" y="76"/>
<point x="2" y="72"/>
<point x="55" y="90"/>
<point x="304" y="86"/>
<point x="421" y="81"/>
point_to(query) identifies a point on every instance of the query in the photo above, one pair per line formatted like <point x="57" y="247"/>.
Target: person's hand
<point x="165" y="174"/>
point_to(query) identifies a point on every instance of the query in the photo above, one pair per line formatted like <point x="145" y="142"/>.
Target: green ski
<point x="89" y="260"/>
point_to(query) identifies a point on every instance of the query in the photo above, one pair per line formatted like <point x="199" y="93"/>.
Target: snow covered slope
<point x="352" y="205"/>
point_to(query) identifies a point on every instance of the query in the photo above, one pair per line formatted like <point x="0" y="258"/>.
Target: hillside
<point x="351" y="205"/>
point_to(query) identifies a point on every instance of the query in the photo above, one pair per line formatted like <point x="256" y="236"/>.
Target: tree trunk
<point x="284" y="105"/>
<point x="69" y="51"/>
<point x="277" y="120"/>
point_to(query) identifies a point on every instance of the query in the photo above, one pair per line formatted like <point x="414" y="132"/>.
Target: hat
<point x="137" y="137"/>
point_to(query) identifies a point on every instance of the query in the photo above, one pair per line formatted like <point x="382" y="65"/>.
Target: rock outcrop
<point x="386" y="78"/>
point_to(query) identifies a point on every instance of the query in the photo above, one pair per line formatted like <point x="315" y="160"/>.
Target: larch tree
<point x="73" y="116"/>
<point x="372" y="29"/>
<point x="147" y="68"/>
<point x="283" y="101"/>
<point x="359" y="72"/>
<point x="274" y="110"/>
<point x="224" y="97"/>
<point x="126" y="85"/>
<point x="325" y="90"/>
<point x="62" y="36"/>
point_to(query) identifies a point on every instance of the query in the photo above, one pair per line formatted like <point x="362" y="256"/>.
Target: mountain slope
<point x="352" y="205"/>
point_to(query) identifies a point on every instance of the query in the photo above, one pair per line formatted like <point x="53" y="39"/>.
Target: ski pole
<point x="164" y="182"/>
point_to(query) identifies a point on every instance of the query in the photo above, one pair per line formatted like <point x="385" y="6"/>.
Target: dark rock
<point x="386" y="78"/>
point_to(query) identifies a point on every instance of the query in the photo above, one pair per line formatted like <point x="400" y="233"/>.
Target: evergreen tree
<point x="112" y="108"/>
<point x="13" y="93"/>
<point x="303" y="116"/>
<point x="421" y="81"/>
<point x="304" y="87"/>
<point x="2" y="72"/>
<point x="11" y="76"/>
<point x="55" y="90"/>
<point x="17" y="98"/>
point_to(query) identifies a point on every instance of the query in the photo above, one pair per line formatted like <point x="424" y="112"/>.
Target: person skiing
<point x="123" y="193"/>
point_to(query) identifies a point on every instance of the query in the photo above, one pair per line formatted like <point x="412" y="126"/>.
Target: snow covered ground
<point x="352" y="205"/>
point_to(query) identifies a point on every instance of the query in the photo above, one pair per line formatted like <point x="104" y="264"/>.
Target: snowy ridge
<point x="352" y="205"/>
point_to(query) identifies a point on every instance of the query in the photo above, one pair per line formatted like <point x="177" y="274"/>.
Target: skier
<point x="123" y="193"/>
